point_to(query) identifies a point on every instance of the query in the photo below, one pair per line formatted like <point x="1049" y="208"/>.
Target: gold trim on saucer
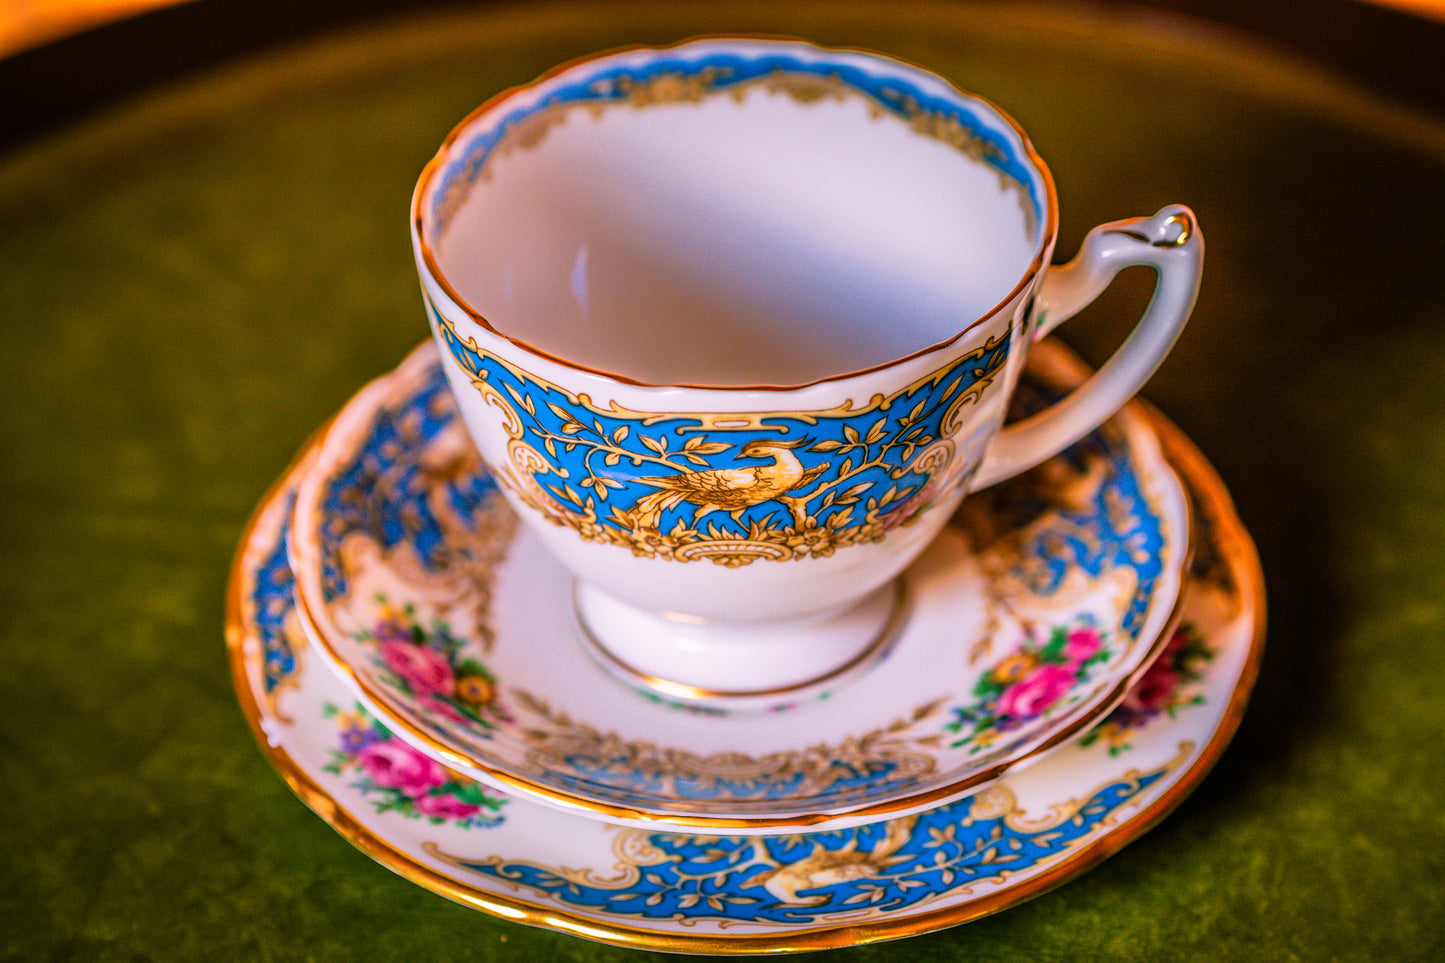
<point x="1241" y="569"/>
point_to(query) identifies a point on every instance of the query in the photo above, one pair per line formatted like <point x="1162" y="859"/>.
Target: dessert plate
<point x="453" y="625"/>
<point x="510" y="857"/>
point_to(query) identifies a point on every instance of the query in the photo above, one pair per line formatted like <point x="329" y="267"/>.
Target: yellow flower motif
<point x="1014" y="667"/>
<point x="1113" y="733"/>
<point x="475" y="690"/>
<point x="352" y="720"/>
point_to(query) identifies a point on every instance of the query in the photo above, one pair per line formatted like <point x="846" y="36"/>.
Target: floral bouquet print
<point x="1032" y="681"/>
<point x="394" y="777"/>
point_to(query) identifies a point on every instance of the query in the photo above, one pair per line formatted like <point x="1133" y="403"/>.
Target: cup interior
<point x="734" y="215"/>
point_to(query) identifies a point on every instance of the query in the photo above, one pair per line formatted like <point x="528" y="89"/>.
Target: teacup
<point x="735" y="324"/>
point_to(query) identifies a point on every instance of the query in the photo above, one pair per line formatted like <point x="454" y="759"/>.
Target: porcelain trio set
<point x="656" y="561"/>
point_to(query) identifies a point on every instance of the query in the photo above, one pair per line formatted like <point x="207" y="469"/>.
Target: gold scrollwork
<point x="843" y="498"/>
<point x="709" y="875"/>
<point x="804" y="88"/>
<point x="561" y="744"/>
<point x="988" y="354"/>
<point x="733" y="550"/>
<point x="512" y="423"/>
<point x="664" y="88"/>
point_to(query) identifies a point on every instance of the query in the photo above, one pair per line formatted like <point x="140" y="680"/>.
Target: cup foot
<point x="738" y="666"/>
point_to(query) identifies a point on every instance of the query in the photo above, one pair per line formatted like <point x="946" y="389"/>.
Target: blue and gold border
<point x="951" y="115"/>
<point x="687" y="76"/>
<point x="730" y="488"/>
<point x="1237" y="565"/>
<point x="807" y="880"/>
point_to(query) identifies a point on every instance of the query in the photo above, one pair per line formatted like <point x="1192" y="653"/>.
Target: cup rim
<point x="425" y="254"/>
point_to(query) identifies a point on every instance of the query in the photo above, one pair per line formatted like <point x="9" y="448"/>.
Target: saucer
<point x="452" y="625"/>
<point x="509" y="857"/>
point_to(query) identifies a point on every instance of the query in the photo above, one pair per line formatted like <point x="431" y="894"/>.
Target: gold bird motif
<point x="732" y="490"/>
<point x="824" y="868"/>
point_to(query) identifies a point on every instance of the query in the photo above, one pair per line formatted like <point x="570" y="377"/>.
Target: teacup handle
<point x="1170" y="243"/>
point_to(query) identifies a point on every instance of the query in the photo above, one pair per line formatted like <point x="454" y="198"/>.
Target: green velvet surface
<point x="192" y="282"/>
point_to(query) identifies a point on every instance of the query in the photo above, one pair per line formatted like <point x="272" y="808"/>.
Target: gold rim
<point x="881" y="643"/>
<point x="1045" y="244"/>
<point x="1236" y="550"/>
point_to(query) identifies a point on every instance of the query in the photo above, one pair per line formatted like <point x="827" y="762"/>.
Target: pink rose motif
<point x="905" y="513"/>
<point x="1177" y="642"/>
<point x="1152" y="692"/>
<point x="396" y="765"/>
<point x="1082" y="645"/>
<point x="445" y="806"/>
<point x="421" y="668"/>
<point x="433" y="706"/>
<point x="1036" y="691"/>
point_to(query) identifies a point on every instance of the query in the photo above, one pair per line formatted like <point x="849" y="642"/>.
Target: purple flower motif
<point x="355" y="738"/>
<point x="391" y="630"/>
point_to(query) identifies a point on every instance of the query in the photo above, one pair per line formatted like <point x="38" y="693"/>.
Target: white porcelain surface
<point x="505" y="855"/>
<point x="805" y="230"/>
<point x="624" y="261"/>
<point x="454" y="625"/>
